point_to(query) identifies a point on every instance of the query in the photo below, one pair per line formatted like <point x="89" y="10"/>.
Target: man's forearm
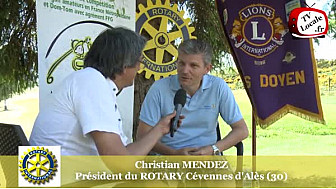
<point x="163" y="149"/>
<point x="146" y="143"/>
<point x="239" y="132"/>
<point x="160" y="148"/>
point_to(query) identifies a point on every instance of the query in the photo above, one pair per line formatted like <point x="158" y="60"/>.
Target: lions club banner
<point x="279" y="72"/>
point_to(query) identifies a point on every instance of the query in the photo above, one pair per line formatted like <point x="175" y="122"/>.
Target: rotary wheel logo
<point x="165" y="28"/>
<point x="38" y="165"/>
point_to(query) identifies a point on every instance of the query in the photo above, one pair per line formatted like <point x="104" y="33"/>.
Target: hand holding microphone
<point x="179" y="101"/>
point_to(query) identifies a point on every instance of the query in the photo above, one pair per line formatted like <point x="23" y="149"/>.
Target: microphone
<point x="179" y="101"/>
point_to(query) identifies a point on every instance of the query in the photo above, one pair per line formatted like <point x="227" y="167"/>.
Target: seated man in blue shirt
<point x="207" y="98"/>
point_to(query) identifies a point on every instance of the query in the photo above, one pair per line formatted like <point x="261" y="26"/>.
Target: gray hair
<point x="113" y="50"/>
<point x="196" y="46"/>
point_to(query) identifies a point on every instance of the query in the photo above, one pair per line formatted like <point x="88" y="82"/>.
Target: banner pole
<point x="254" y="136"/>
<point x="254" y="147"/>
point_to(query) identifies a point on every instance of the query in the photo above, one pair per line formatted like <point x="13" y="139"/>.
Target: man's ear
<point x="124" y="70"/>
<point x="208" y="68"/>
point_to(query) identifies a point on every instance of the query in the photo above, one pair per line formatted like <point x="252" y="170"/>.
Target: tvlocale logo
<point x="39" y="166"/>
<point x="308" y="22"/>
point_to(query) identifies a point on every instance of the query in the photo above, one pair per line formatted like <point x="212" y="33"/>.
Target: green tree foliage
<point x="18" y="48"/>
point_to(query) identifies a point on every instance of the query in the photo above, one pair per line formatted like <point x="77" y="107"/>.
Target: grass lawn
<point x="290" y="135"/>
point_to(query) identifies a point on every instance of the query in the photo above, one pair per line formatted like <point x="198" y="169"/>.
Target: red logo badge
<point x="308" y="22"/>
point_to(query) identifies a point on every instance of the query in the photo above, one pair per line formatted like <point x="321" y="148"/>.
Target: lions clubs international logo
<point x="257" y="31"/>
<point x="38" y="166"/>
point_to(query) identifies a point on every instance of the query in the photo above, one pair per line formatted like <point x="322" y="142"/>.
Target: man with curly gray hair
<point x="82" y="116"/>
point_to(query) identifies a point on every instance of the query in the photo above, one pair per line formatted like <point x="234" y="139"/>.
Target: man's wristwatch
<point x="215" y="150"/>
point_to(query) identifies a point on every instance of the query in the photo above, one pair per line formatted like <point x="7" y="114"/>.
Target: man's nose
<point x="185" y="69"/>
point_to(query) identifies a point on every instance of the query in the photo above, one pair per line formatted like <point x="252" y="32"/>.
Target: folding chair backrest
<point x="240" y="151"/>
<point x="11" y="136"/>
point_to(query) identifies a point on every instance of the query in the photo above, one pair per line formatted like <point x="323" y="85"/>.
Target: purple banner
<point x="279" y="72"/>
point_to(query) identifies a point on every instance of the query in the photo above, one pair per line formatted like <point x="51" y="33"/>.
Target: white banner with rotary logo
<point x="66" y="29"/>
